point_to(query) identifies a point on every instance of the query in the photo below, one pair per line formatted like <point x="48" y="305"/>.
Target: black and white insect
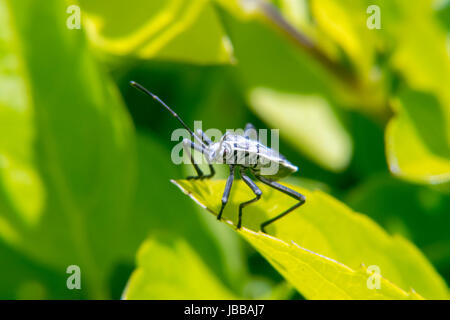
<point x="238" y="151"/>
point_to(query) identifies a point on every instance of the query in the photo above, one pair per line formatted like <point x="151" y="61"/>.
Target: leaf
<point x="418" y="139"/>
<point x="324" y="249"/>
<point x="25" y="279"/>
<point x="401" y="41"/>
<point x="340" y="22"/>
<point x="171" y="269"/>
<point x="67" y="174"/>
<point x="17" y="171"/>
<point x="417" y="212"/>
<point x="171" y="30"/>
<point x="414" y="152"/>
<point x="420" y="40"/>
<point x="308" y="122"/>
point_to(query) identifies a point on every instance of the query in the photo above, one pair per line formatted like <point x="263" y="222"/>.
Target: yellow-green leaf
<point x="417" y="139"/>
<point x="308" y="122"/>
<point x="171" y="30"/>
<point x="171" y="269"/>
<point x="67" y="156"/>
<point x="18" y="174"/>
<point x="422" y="40"/>
<point x="345" y="23"/>
<point x="324" y="249"/>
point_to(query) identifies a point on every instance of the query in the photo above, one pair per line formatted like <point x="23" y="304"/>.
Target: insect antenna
<point x="140" y="87"/>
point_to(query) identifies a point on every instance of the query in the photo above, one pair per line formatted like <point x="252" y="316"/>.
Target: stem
<point x="301" y="40"/>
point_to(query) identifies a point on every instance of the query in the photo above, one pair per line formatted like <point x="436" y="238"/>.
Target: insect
<point x="238" y="152"/>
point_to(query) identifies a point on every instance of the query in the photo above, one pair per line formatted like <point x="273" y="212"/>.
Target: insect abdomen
<point x="257" y="157"/>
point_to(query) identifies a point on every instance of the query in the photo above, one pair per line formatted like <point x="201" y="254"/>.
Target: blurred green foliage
<point x="167" y="279"/>
<point x="85" y="160"/>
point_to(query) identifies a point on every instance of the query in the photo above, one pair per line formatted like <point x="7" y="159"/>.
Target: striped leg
<point x="255" y="190"/>
<point x="188" y="145"/>
<point x="208" y="142"/>
<point x="226" y="193"/>
<point x="294" y="194"/>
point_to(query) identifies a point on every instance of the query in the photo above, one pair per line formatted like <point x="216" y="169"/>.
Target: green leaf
<point x="19" y="176"/>
<point x="171" y="269"/>
<point x="401" y="41"/>
<point x="308" y="122"/>
<point x="68" y="164"/>
<point x="324" y="249"/>
<point x="423" y="40"/>
<point x="345" y="23"/>
<point x="25" y="279"/>
<point x="417" y="212"/>
<point x="171" y="30"/>
<point x="418" y="139"/>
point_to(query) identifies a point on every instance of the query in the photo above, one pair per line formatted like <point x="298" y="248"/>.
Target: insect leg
<point x="204" y="137"/>
<point x="250" y="131"/>
<point x="294" y="194"/>
<point x="226" y="193"/>
<point x="208" y="142"/>
<point x="255" y="190"/>
<point x="188" y="145"/>
<point x="212" y="172"/>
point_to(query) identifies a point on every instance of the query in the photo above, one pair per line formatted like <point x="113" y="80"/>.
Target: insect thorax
<point x="238" y="150"/>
